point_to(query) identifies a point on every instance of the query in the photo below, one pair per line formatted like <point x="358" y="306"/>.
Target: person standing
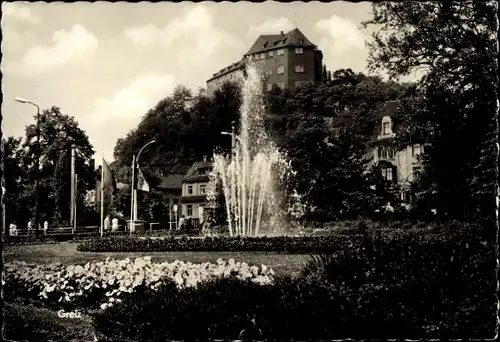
<point x="13" y="229"/>
<point x="114" y="225"/>
<point x="30" y="226"/>
<point x="106" y="223"/>
<point x="181" y="223"/>
<point x="45" y="227"/>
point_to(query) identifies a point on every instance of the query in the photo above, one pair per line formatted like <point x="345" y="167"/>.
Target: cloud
<point x="15" y="12"/>
<point x="74" y="46"/>
<point x="194" y="33"/>
<point x="340" y="34"/>
<point x="111" y="118"/>
<point x="270" y="26"/>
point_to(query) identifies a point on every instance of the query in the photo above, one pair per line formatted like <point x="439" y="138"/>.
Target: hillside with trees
<point x="322" y="129"/>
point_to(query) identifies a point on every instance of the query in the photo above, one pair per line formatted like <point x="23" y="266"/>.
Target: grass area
<point x="28" y="322"/>
<point x="66" y="253"/>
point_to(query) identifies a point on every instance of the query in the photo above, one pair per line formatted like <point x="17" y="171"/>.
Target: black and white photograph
<point x="249" y="171"/>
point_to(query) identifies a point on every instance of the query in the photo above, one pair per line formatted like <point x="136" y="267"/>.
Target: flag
<point x="108" y="177"/>
<point x="141" y="181"/>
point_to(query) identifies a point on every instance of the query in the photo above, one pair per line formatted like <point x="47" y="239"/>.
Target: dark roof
<point x="171" y="181"/>
<point x="272" y="41"/>
<point x="193" y="175"/>
<point x="235" y="66"/>
<point x="394" y="110"/>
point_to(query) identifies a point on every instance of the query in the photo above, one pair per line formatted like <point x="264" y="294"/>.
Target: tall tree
<point x="454" y="44"/>
<point x="16" y="177"/>
<point x="58" y="133"/>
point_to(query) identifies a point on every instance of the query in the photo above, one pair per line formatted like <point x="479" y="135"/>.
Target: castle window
<point x="299" y="51"/>
<point x="262" y="56"/>
<point x="299" y="68"/>
<point x="203" y="189"/>
<point x="280" y="70"/>
<point x="190" y="189"/>
<point x="281" y="52"/>
<point x="386" y="152"/>
<point x="189" y="208"/>
<point x="203" y="172"/>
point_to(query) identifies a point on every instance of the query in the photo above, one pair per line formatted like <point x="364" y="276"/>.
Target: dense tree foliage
<point x="58" y="133"/>
<point x="454" y="106"/>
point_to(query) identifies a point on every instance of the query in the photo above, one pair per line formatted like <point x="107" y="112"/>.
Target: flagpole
<point x="132" y="195"/>
<point x="73" y="156"/>
<point x="76" y="192"/>
<point x="102" y="198"/>
<point x="135" y="204"/>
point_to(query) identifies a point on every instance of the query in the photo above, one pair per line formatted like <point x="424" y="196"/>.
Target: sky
<point x="106" y="64"/>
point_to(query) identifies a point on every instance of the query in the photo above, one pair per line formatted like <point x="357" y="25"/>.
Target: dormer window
<point x="203" y="172"/>
<point x="386" y="128"/>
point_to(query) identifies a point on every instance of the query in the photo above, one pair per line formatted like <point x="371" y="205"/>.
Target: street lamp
<point x="37" y="161"/>
<point x="135" y="162"/>
<point x="232" y="134"/>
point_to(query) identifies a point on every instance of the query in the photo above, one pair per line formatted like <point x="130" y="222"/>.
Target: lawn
<point x="66" y="253"/>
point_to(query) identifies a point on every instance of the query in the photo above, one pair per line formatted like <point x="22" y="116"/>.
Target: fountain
<point x="252" y="178"/>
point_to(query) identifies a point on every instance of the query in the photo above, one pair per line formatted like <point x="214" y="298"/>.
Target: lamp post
<point x="37" y="161"/>
<point x="135" y="162"/>
<point x="232" y="134"/>
<point x="233" y="167"/>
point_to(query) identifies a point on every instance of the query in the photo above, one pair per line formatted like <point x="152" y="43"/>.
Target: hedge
<point x="296" y="244"/>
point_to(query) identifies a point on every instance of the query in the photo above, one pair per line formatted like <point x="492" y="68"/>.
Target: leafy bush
<point x="452" y="279"/>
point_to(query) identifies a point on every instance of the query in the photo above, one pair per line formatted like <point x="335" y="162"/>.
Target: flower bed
<point x="103" y="283"/>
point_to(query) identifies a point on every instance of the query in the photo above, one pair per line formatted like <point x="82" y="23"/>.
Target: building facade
<point x="171" y="191"/>
<point x="194" y="190"/>
<point x="400" y="166"/>
<point x="288" y="60"/>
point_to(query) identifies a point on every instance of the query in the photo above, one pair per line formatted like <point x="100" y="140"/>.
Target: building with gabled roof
<point x="288" y="59"/>
<point x="194" y="190"/>
<point x="397" y="165"/>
